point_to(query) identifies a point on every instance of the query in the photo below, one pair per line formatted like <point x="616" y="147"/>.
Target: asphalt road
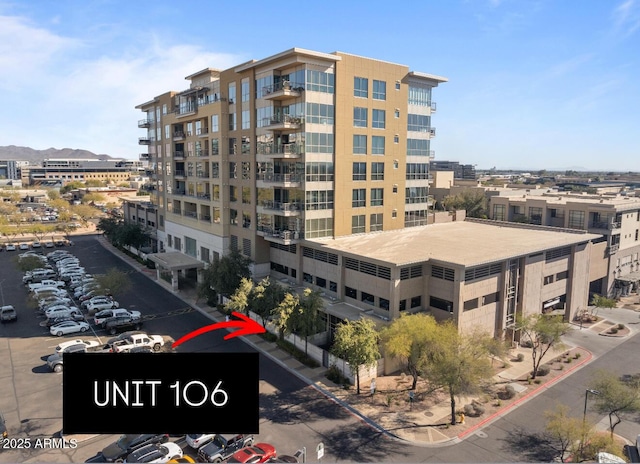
<point x="292" y="414"/>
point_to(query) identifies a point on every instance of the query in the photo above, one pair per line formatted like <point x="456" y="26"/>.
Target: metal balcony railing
<point x="279" y="206"/>
<point x="191" y="214"/>
<point x="278" y="119"/>
<point x="283" y="178"/>
<point x="142" y="123"/>
<point x="280" y="149"/>
<point x="178" y="173"/>
<point x="144" y="141"/>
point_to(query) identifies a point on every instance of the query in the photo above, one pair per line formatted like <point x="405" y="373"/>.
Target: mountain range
<point x="15" y="153"/>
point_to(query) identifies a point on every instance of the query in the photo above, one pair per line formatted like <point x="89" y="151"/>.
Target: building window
<point x="215" y="170"/>
<point x="245" y="91"/>
<point x="416" y="195"/>
<point x="557" y="213"/>
<point x="359" y="117"/>
<point x="177" y="243"/>
<point x="418" y="147"/>
<point x="359" y="171"/>
<point x="232" y="121"/>
<point x="318" y="199"/>
<point x="232" y="92"/>
<point x="319" y="113"/>
<point x="548" y="279"/>
<point x="359" y="144"/>
<point x="360" y="87"/>
<point x="418" y="123"/>
<point x="233" y="242"/>
<point x="233" y="193"/>
<point x="377" y="171"/>
<point x="246" y="120"/>
<point x="367" y="298"/>
<point x="358" y="198"/>
<point x="319" y="142"/>
<point x="377" y="145"/>
<point x="397" y="85"/>
<point x="420" y="96"/>
<point x="439" y="303"/>
<point x="562" y="275"/>
<point x="378" y="119"/>
<point x="402" y="306"/>
<point x="233" y="170"/>
<point x="358" y="224"/>
<point x="417" y="171"/>
<point x="204" y="255"/>
<point x="576" y="220"/>
<point x="499" y="212"/>
<point x="215" y="147"/>
<point x="320" y="282"/>
<point x="319" y="81"/>
<point x="377" y="197"/>
<point x="396" y="113"/>
<point x="379" y="90"/>
<point x="416" y="301"/>
<point x="246" y="223"/>
<point x="246" y="195"/>
<point x="491" y="298"/>
<point x="471" y="304"/>
<point x="233" y="217"/>
<point x="246" y="170"/>
<point x="233" y="146"/>
<point x="350" y="292"/>
<point x="375" y="223"/>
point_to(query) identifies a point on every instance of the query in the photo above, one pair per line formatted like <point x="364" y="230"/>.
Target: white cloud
<point x="90" y="103"/>
<point x="626" y="18"/>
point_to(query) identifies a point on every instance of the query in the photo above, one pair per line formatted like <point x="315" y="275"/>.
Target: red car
<point x="260" y="452"/>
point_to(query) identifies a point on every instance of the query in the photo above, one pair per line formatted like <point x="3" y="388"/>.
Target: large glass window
<point x="360" y="117"/>
<point x="319" y="171"/>
<point x="358" y="224"/>
<point x="417" y="171"/>
<point x="377" y="197"/>
<point x="379" y="90"/>
<point x="319" y="113"/>
<point x="499" y="212"/>
<point x="232" y="92"/>
<point x="215" y="147"/>
<point x="375" y="222"/>
<point x="416" y="195"/>
<point x="418" y="123"/>
<point x="359" y="171"/>
<point x="359" y="198"/>
<point x="378" y="119"/>
<point x="576" y="220"/>
<point x="359" y="144"/>
<point x="246" y="119"/>
<point x="417" y="147"/>
<point x="360" y="87"/>
<point x="245" y="91"/>
<point x="318" y="142"/>
<point x="377" y="145"/>
<point x="318" y="199"/>
<point x="419" y="95"/>
<point x="318" y="81"/>
<point x="377" y="171"/>
<point x="232" y="121"/>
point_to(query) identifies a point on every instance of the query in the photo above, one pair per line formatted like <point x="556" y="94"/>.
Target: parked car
<point x="98" y="305"/>
<point x="24" y="246"/>
<point x="69" y="327"/>
<point x="260" y="452"/>
<point x="48" y="244"/>
<point x="128" y="443"/>
<point x="48" y="302"/>
<point x="105" y="314"/>
<point x="156" y="452"/>
<point x="196" y="440"/>
<point x="57" y="320"/>
<point x="78" y="341"/>
<point x="118" y="324"/>
<point x="56" y="360"/>
<point x="220" y="448"/>
<point x="10" y="247"/>
<point x="36" y="245"/>
<point x="61" y="310"/>
<point x="8" y="314"/>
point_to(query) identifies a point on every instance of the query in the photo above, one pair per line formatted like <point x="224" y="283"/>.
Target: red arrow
<point x="246" y="326"/>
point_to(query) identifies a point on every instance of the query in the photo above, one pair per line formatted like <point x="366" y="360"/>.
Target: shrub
<point x="334" y="374"/>
<point x="621" y="327"/>
<point x="568" y="360"/>
<point x="520" y="357"/>
<point x="507" y="392"/>
<point x="475" y="409"/>
<point x="526" y="344"/>
<point x="613" y="330"/>
<point x="543" y="370"/>
<point x="538" y="381"/>
<point x="577" y="355"/>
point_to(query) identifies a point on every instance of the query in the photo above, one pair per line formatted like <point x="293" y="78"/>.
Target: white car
<point x="105" y="314"/>
<point x="87" y="343"/>
<point x="24" y="246"/>
<point x="51" y="300"/>
<point x="156" y="452"/>
<point x="10" y="247"/>
<point x="103" y="304"/>
<point x="40" y="293"/>
<point x="49" y="245"/>
<point x="196" y="440"/>
<point x="68" y="327"/>
<point x="61" y="311"/>
<point x="36" y="245"/>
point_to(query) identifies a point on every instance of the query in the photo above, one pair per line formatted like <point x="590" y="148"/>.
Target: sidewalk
<point x="422" y="428"/>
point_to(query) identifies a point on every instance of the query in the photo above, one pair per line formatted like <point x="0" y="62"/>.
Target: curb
<point x="527" y="397"/>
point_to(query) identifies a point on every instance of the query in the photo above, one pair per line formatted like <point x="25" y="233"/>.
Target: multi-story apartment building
<point x="299" y="145"/>
<point x="615" y="264"/>
<point x="460" y="171"/>
<point x="315" y="165"/>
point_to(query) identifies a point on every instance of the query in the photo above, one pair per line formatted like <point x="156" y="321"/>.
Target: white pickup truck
<point x="141" y="339"/>
<point x="46" y="283"/>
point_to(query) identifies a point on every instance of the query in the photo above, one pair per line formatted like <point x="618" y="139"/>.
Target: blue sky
<point x="540" y="84"/>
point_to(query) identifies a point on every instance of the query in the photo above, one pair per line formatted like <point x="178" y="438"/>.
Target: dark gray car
<point x="128" y="443"/>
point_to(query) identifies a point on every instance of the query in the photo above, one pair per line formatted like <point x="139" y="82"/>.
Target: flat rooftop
<point x="463" y="243"/>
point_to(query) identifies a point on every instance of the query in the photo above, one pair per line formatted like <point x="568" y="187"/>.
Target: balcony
<point x="612" y="249"/>
<point x="144" y="123"/>
<point x="191" y="214"/>
<point x="205" y="217"/>
<point x="284" y="237"/>
<point x="178" y="173"/>
<point x="202" y="153"/>
<point x="282" y="91"/>
<point x="144" y="141"/>
<point x="283" y="122"/>
<point x="178" y="135"/>
<point x="178" y="155"/>
<point x="433" y="106"/>
<point x="281" y="180"/>
<point x="202" y="175"/>
<point x="282" y="150"/>
<point x="605" y="225"/>
<point x="279" y="208"/>
<point x="145" y="156"/>
<point x="432" y="131"/>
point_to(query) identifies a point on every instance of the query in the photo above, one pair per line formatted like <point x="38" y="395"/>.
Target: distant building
<point x="460" y="171"/>
<point x="61" y="171"/>
<point x="11" y="170"/>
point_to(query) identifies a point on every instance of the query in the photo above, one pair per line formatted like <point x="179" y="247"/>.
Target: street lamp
<point x="586" y="396"/>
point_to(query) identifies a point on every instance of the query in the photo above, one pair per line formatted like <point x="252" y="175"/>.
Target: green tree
<point x="29" y="263"/>
<point x="85" y="212"/>
<point x="408" y="339"/>
<point x="114" y="281"/>
<point x="264" y="297"/>
<point x="93" y="197"/>
<point x="357" y="343"/>
<point x="40" y="231"/>
<point x="306" y="321"/>
<point x="600" y="301"/>
<point x="109" y="226"/>
<point x="73" y="185"/>
<point x="239" y="301"/>
<point x="472" y="201"/>
<point x="53" y="194"/>
<point x="283" y="312"/>
<point x="224" y="274"/>
<point x="543" y="332"/>
<point x="458" y="363"/>
<point x="616" y="397"/>
<point x="568" y="435"/>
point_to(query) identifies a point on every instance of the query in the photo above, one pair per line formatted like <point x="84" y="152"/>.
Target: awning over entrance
<point x="175" y="261"/>
<point x="631" y="277"/>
